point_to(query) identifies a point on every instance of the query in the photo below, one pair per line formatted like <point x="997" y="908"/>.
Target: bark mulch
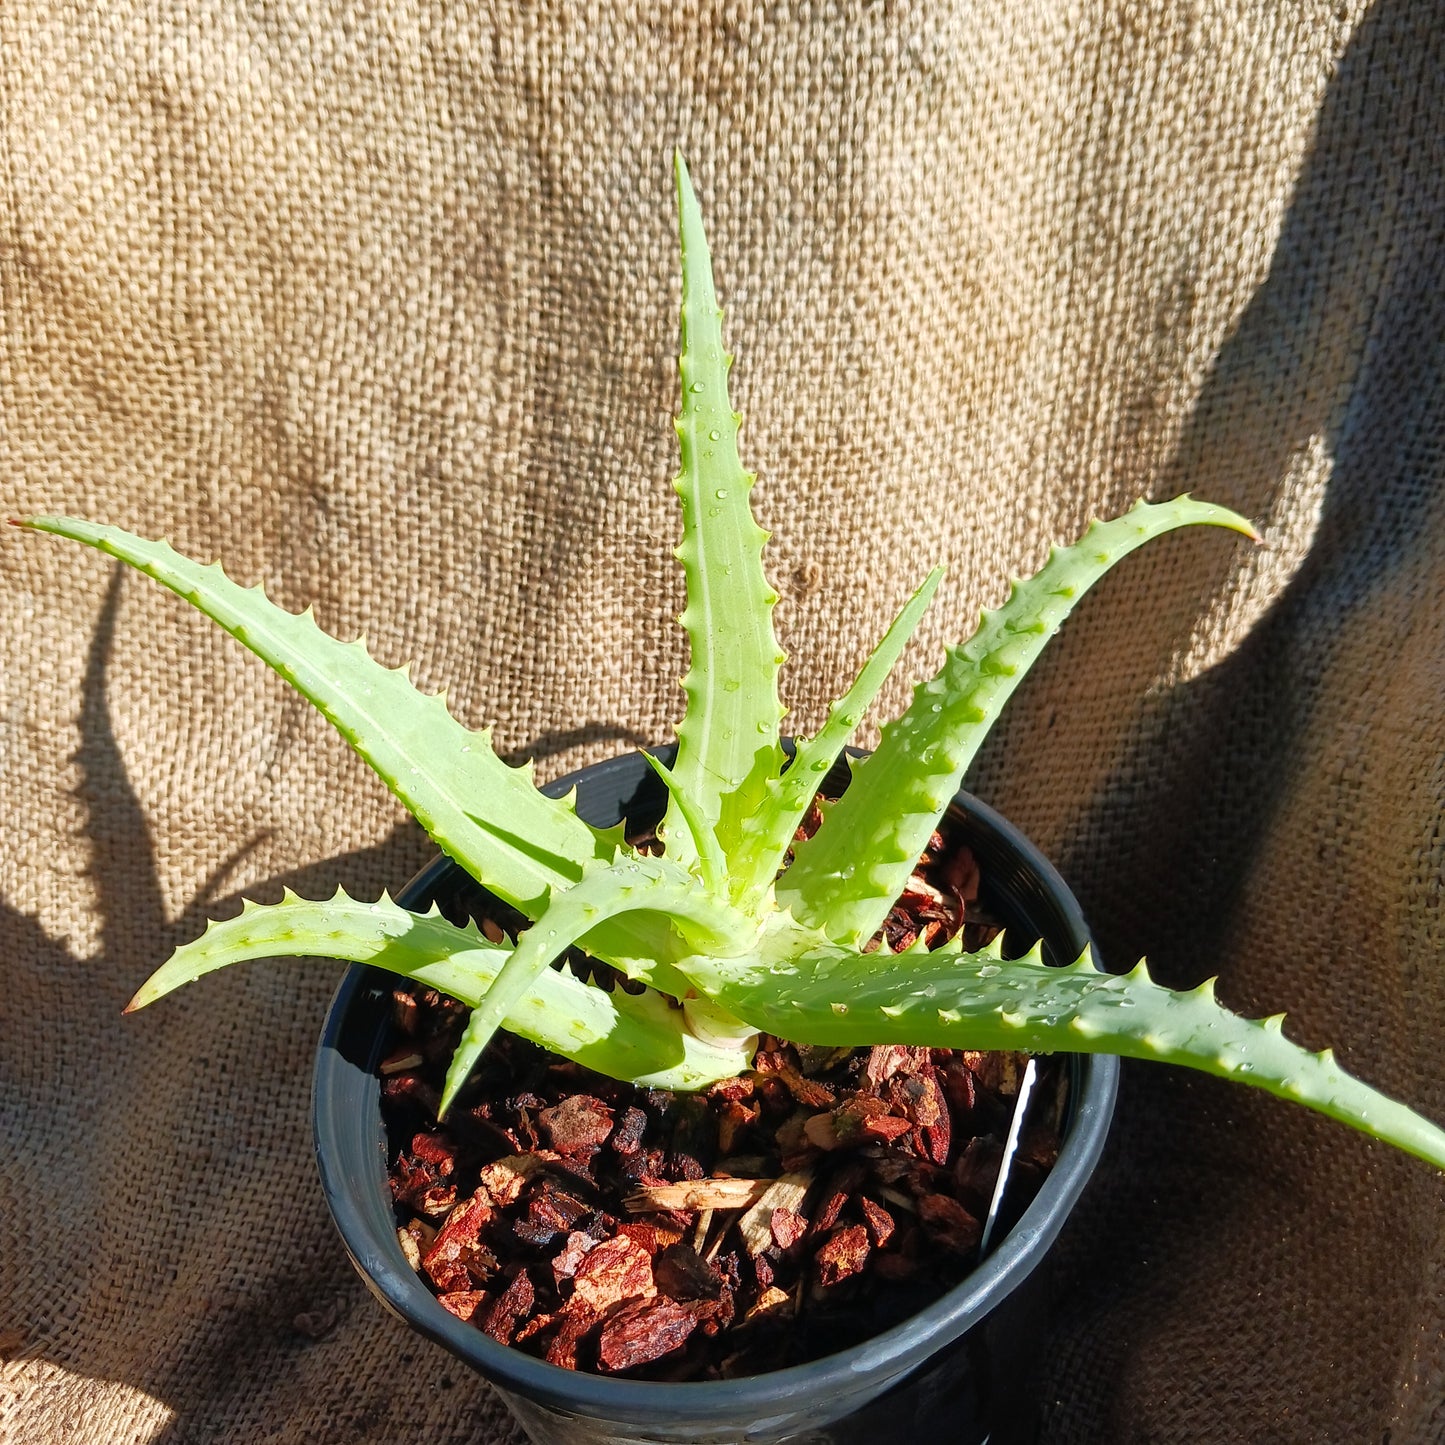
<point x="778" y="1217"/>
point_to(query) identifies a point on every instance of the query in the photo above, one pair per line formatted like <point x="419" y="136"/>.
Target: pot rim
<point x="891" y="1353"/>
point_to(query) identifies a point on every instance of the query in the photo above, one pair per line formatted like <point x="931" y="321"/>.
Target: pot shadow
<point x="131" y="1242"/>
<point x="556" y="741"/>
<point x="1213" y="764"/>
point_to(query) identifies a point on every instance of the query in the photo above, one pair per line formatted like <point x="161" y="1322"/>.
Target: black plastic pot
<point x="958" y="1371"/>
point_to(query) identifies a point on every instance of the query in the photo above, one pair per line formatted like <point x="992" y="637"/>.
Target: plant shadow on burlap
<point x="1223" y="1226"/>
<point x="253" y="1305"/>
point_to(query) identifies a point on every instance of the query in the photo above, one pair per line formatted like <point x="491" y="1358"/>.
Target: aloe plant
<point x="716" y="920"/>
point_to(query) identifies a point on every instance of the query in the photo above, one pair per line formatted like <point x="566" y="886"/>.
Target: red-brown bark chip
<point x="512" y="1306"/>
<point x="842" y="1185"/>
<point x="411" y="1091"/>
<point x="948" y="1223"/>
<point x="435" y="1201"/>
<point x="1039" y="1145"/>
<point x="843" y="1254"/>
<point x="463" y="1303"/>
<point x="566" y="1262"/>
<point x="578" y="1125"/>
<point x="737" y="1089"/>
<point x="552" y="1211"/>
<point x="405" y="1011"/>
<point x="504" y="1179"/>
<point x="574" y="1320"/>
<point x="644" y="1331"/>
<point x="465" y="1223"/>
<point x="458" y="1256"/>
<point x="853" y="1117"/>
<point x="618" y="1269"/>
<point x="810" y="1093"/>
<point x="885" y="1060"/>
<point x="960" y="1085"/>
<point x="911" y="1095"/>
<point x="414" y="1183"/>
<point x="437" y="1151"/>
<point x="788" y="1227"/>
<point x="961" y="875"/>
<point x="879" y="1221"/>
<point x="976" y="1170"/>
<point x="626" y="1137"/>
<point x="733" y="1121"/>
<point x="651" y="1236"/>
<point x="883" y="1128"/>
<point x="938" y="1136"/>
<point x="683" y="1274"/>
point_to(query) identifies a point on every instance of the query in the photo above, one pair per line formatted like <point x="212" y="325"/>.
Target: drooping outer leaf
<point x="632" y="885"/>
<point x="835" y="997"/>
<point x="727" y="742"/>
<point x="845" y="877"/>
<point x="767" y="833"/>
<point x="629" y="1037"/>
<point x="485" y="814"/>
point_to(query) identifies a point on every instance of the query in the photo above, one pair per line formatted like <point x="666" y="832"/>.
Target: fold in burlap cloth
<point x="378" y="303"/>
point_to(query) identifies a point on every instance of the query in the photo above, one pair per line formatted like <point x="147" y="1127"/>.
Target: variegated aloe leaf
<point x="767" y="834"/>
<point x="632" y="1037"/>
<point x="846" y="876"/>
<point x="835" y="997"/>
<point x="485" y="814"/>
<point x="635" y="884"/>
<point x="727" y="742"/>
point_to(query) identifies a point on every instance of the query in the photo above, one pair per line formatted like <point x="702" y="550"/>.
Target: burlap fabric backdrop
<point x="378" y="303"/>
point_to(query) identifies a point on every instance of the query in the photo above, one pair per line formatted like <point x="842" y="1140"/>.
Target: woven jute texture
<point x="378" y="303"/>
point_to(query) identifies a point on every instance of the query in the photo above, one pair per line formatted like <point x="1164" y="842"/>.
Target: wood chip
<point x="415" y="1239"/>
<point x="786" y="1192"/>
<point x="698" y="1194"/>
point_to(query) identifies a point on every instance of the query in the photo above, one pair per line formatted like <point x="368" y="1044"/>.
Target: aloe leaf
<point x="712" y="866"/>
<point x="524" y="844"/>
<point x="846" y="876"/>
<point x="768" y="832"/>
<point x="835" y="997"/>
<point x="633" y="885"/>
<point x="727" y="742"/>
<point x="628" y="1037"/>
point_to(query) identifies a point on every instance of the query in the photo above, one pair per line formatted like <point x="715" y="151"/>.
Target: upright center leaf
<point x="728" y="737"/>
